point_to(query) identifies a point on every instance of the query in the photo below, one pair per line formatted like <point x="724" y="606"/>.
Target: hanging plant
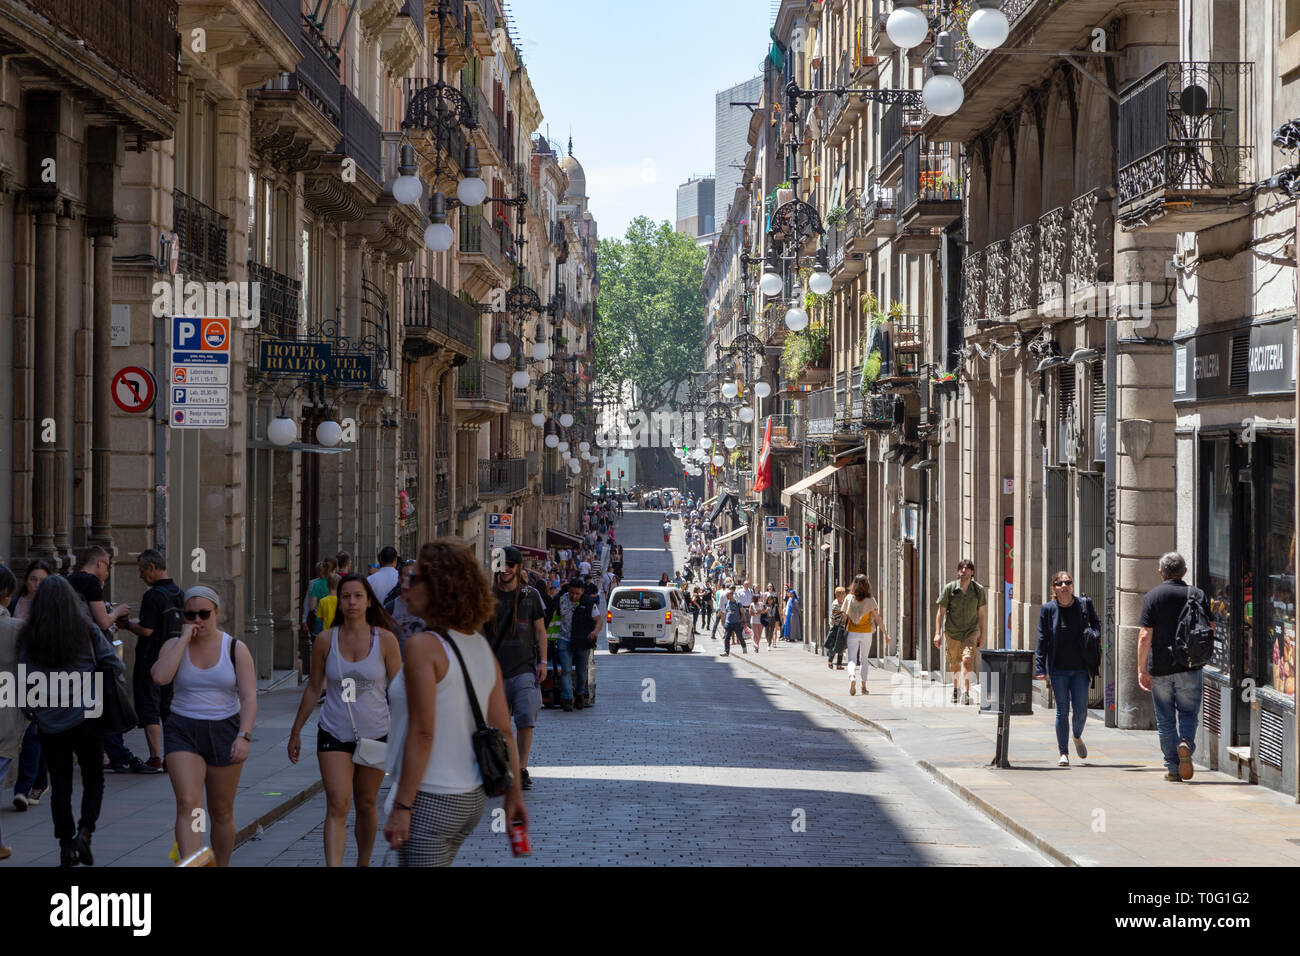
<point x="836" y="215"/>
<point x="870" y="370"/>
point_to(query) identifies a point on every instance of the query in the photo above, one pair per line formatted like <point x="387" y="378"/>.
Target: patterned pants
<point x="440" y="822"/>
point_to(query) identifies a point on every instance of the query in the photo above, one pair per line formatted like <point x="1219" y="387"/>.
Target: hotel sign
<point x="316" y="360"/>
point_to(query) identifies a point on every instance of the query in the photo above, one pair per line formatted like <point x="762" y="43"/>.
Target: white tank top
<point x="210" y="693"/>
<point x="452" y="766"/>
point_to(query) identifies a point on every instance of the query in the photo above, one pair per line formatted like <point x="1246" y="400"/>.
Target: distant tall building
<point x="731" y="142"/>
<point x="695" y="207"/>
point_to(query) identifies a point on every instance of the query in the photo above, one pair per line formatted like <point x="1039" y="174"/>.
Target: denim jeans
<point x="573" y="669"/>
<point x="738" y="630"/>
<point x="1067" y="686"/>
<point x="32" y="774"/>
<point x="117" y="750"/>
<point x="1177" y="698"/>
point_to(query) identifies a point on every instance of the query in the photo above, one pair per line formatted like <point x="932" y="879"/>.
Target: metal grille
<point x="1098" y="410"/>
<point x="1240" y="375"/>
<point x="1092" y="537"/>
<point x="1270" y="738"/>
<point x="1065" y="415"/>
<point x="1212" y="696"/>
<point x="1058" y="520"/>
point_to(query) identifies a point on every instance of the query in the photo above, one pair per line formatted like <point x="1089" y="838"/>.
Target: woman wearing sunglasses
<point x="1067" y="651"/>
<point x="207" y="736"/>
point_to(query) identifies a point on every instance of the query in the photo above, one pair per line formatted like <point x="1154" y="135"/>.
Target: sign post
<point x="200" y="372"/>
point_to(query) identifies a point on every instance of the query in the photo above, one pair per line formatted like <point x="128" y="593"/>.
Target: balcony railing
<point x="427" y="305"/>
<point x="878" y="202"/>
<point x="410" y="436"/>
<point x="1053" y="251"/>
<point x="481" y="381"/>
<point x="930" y="174"/>
<point x="137" y="37"/>
<point x="201" y="231"/>
<point x="481" y="109"/>
<point x="555" y="482"/>
<point x="1186" y="127"/>
<point x="972" y="291"/>
<point x="479" y="236"/>
<point x="279" y="303"/>
<point x="787" y="431"/>
<point x="501" y="476"/>
<point x="891" y="134"/>
<point x="1092" y="238"/>
<point x="1022" y="291"/>
<point x="997" y="272"/>
<point x="442" y="496"/>
<point x="877" y="412"/>
<point x="821" y="413"/>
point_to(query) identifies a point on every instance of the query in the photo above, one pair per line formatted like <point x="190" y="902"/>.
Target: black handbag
<point x="489" y="744"/>
<point x="119" y="716"/>
<point x="837" y="641"/>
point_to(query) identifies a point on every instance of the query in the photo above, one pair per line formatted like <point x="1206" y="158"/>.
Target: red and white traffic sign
<point x="133" y="389"/>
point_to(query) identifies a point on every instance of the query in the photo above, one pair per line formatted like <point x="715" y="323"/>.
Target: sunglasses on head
<point x="191" y="615"/>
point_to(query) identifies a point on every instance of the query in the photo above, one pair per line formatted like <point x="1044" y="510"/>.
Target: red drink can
<point x="519" y="844"/>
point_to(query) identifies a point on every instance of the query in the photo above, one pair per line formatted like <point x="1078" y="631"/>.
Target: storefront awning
<point x="540" y="553"/>
<point x="562" y="539"/>
<point x="816" y="478"/>
<point x="732" y="535"/>
<point x="708" y="501"/>
<point x="723" y="499"/>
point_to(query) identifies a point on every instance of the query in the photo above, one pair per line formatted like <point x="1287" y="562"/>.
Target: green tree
<point x="651" y="321"/>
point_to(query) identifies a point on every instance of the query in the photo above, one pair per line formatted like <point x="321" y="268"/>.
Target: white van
<point x="648" y="617"/>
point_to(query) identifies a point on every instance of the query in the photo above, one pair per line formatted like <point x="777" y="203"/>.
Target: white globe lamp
<point x="718" y="461"/>
<point x="471" y="191"/>
<point x="566" y="420"/>
<point x="706" y="442"/>
<point x="282" y="431"/>
<point x="563" y="446"/>
<point x="552" y="441"/>
<point x="730" y="390"/>
<point x="771" y="283"/>
<point x="796" y="319"/>
<point x="730" y="442"/>
<point x="906" y="26"/>
<point x="584" y="446"/>
<point x="943" y="95"/>
<point x="819" y="283"/>
<point x="746" y="414"/>
<point x="988" y="28"/>
<point x="541" y="351"/>
<point x="762" y="389"/>
<point x="538" y="419"/>
<point x="519" y="379"/>
<point x="438" y="236"/>
<point x="329" y="433"/>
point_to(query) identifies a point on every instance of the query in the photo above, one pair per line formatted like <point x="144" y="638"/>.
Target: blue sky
<point x="636" y="82"/>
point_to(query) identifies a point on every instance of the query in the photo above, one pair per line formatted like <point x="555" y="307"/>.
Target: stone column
<point x="64" y="333"/>
<point x="101" y="441"/>
<point x="45" y="479"/>
<point x="251" y="545"/>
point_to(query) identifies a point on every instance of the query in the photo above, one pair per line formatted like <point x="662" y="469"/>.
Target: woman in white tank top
<point x="437" y="797"/>
<point x="207" y="735"/>
<point x="354" y="663"/>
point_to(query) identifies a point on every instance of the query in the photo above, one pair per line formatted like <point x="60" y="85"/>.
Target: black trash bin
<point x="997" y="669"/>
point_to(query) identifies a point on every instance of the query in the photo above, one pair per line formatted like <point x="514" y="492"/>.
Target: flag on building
<point x="763" y="476"/>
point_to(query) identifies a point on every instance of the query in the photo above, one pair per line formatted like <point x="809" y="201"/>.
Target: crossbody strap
<point x="346" y="703"/>
<point x="469" y="686"/>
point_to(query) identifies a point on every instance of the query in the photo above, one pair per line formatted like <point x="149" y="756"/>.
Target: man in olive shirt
<point x="959" y="623"/>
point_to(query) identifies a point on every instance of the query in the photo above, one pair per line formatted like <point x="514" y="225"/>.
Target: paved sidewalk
<point x="139" y="811"/>
<point x="1113" y="809"/>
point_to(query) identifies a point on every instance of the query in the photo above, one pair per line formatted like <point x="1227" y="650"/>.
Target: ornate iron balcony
<point x="502" y="476"/>
<point x="202" y="234"/>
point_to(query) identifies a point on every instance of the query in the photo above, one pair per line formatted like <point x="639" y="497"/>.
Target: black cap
<point x="513" y="555"/>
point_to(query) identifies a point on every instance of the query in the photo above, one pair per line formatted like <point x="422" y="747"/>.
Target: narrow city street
<point x="698" y="760"/>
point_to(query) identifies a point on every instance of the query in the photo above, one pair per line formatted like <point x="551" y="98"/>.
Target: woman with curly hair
<point x="437" y="798"/>
<point x="355" y="663"/>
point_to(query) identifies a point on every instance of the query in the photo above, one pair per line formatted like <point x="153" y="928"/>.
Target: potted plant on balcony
<point x="836" y="215"/>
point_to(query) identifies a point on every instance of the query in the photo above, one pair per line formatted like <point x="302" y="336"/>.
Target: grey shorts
<point x="524" y="698"/>
<point x="210" y="739"/>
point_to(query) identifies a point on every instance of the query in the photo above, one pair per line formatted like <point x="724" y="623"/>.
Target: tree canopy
<point x="651" y="320"/>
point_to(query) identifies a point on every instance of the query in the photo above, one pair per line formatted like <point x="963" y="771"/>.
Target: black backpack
<point x="1194" y="635"/>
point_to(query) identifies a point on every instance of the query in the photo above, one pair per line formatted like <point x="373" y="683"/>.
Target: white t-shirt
<point x="383" y="581"/>
<point x="585" y="568"/>
<point x="667" y="527"/>
<point x="745" y="596"/>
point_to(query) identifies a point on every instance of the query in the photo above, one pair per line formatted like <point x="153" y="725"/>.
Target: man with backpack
<point x="160" y="620"/>
<point x="580" y="625"/>
<point x="1174" y="643"/>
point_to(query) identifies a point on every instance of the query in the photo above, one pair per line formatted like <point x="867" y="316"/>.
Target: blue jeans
<point x="573" y="669"/>
<point x="1067" y="686"/>
<point x="32" y="774"/>
<point x="1177" y="698"/>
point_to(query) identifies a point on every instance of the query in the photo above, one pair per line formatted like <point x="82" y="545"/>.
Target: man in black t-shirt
<point x="160" y="619"/>
<point x="519" y="641"/>
<point x="1175" y="688"/>
<point x="89" y="583"/>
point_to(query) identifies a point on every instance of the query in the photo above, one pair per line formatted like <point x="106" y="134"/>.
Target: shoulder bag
<point x="369" y="752"/>
<point x="119" y="716"/>
<point x="490" y="749"/>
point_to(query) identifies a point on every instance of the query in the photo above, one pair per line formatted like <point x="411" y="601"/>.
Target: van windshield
<point x="637" y="601"/>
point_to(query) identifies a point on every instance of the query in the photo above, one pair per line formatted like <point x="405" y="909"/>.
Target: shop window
<point x="1217" y="493"/>
<point x="1277" y="578"/>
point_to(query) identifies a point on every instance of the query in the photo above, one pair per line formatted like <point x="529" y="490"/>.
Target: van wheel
<point x="613" y="648"/>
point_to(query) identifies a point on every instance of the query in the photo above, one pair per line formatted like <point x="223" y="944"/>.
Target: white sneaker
<point x="1064" y="761"/>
